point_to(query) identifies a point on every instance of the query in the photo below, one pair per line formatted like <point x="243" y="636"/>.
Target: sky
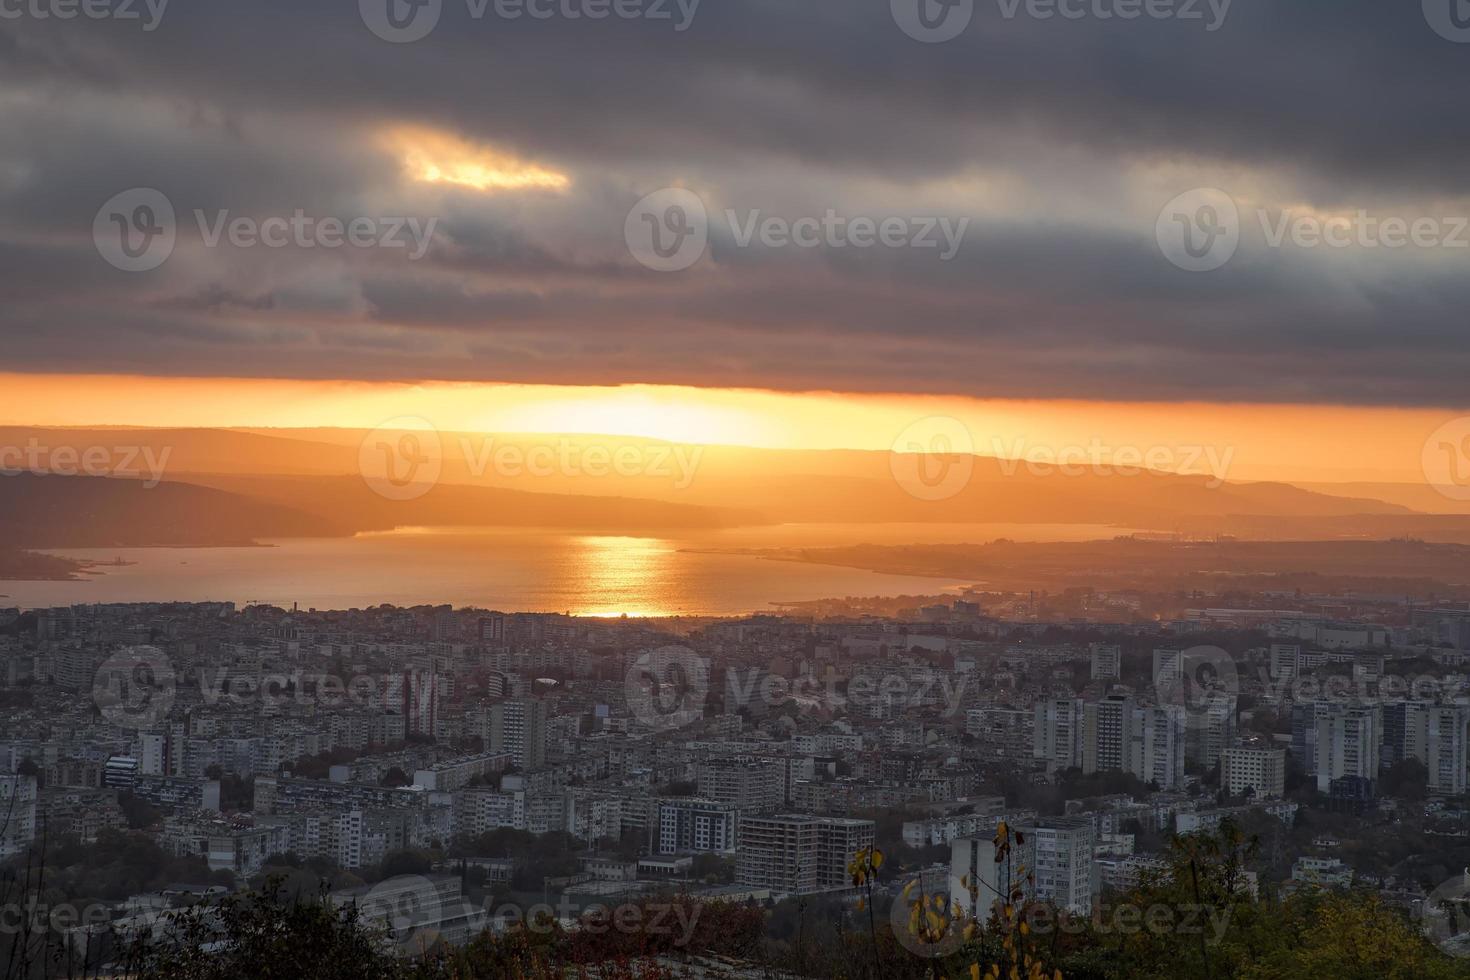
<point x="1039" y="177"/>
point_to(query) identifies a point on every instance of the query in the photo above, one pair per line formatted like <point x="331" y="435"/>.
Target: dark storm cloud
<point x="1060" y="139"/>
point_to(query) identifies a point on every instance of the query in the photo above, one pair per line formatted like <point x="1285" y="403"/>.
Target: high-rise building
<point x="1168" y="666"/>
<point x="1260" y="770"/>
<point x="1435" y="735"/>
<point x="1107" y="734"/>
<point x="751" y="783"/>
<point x="687" y="824"/>
<point x="978" y="881"/>
<point x="1347" y="744"/>
<point x="423" y="695"/>
<point x="1304" y="716"/>
<point x="519" y="728"/>
<point x="1284" y="659"/>
<point x="1064" y="862"/>
<point x="1107" y="661"/>
<point x="1213" y="729"/>
<point x="796" y="854"/>
<point x="1159" y="736"/>
<point x="1057" y="733"/>
<point x="152" y="753"/>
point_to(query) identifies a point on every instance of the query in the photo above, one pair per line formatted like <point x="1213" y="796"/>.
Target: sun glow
<point x="1269" y="442"/>
<point x="432" y="157"/>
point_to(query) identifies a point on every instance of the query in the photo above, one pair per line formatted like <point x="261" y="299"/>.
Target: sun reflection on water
<point x="623" y="576"/>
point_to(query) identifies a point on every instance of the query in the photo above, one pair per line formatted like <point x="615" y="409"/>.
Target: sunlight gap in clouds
<point x="434" y="157"/>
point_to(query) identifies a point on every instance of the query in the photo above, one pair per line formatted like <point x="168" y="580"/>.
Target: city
<point x="757" y="490"/>
<point x="452" y="772"/>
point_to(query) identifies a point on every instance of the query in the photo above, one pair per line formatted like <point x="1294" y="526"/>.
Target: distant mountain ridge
<point x="229" y="486"/>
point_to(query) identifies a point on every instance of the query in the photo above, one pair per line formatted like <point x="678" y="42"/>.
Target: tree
<point x="405" y="863"/>
<point x="1407" y="779"/>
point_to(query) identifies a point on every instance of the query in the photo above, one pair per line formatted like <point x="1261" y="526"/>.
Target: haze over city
<point x="636" y="489"/>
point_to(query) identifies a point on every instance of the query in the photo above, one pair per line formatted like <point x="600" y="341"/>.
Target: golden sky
<point x="1268" y="442"/>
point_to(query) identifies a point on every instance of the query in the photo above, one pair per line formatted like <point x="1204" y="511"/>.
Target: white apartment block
<point x="1057" y="737"/>
<point x="1262" y="770"/>
<point x="751" y="783"/>
<point x="1168" y="666"/>
<point x="458" y="773"/>
<point x="1107" y="661"/>
<point x="977" y="881"/>
<point x="479" y="811"/>
<point x="1435" y="735"/>
<point x="1158" y="740"/>
<point x="1348" y="742"/>
<point x="1064" y="862"/>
